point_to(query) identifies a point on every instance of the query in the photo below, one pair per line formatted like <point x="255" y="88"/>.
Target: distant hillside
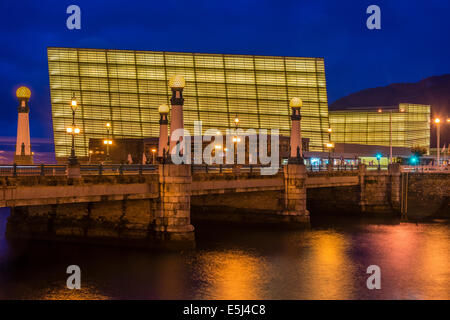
<point x="434" y="91"/>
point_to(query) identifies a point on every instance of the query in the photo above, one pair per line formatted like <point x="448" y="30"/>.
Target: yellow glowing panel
<point x="409" y="123"/>
<point x="126" y="87"/>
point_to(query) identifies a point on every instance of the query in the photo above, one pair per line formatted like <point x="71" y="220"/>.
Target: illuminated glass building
<point x="410" y="126"/>
<point x="126" y="87"/>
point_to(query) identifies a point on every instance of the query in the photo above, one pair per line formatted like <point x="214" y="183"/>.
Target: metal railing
<point x="323" y="168"/>
<point x="426" y="168"/>
<point x="61" y="170"/>
<point x="226" y="168"/>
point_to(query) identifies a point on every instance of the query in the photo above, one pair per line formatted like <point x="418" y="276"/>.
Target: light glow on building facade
<point x="126" y="88"/>
<point x="410" y="125"/>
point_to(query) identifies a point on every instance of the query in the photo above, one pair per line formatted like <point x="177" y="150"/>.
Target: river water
<point x="328" y="261"/>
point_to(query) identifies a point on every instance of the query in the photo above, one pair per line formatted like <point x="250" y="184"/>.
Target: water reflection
<point x="230" y="275"/>
<point x="241" y="262"/>
<point x="330" y="267"/>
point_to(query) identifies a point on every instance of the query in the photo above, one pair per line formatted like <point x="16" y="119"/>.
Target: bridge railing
<point x="61" y="170"/>
<point x="226" y="168"/>
<point x="426" y="168"/>
<point x="32" y="170"/>
<point x="323" y="168"/>
<point x="118" y="169"/>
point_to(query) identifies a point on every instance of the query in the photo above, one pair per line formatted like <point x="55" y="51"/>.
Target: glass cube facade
<point x="410" y="126"/>
<point x="125" y="88"/>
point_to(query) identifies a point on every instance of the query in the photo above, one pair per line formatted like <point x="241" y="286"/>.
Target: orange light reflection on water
<point x="231" y="275"/>
<point x="328" y="275"/>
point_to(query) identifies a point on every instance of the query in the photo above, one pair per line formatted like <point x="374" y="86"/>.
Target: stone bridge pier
<point x="295" y="176"/>
<point x="173" y="217"/>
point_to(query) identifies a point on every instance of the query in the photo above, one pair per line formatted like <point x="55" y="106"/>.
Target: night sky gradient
<point x="413" y="43"/>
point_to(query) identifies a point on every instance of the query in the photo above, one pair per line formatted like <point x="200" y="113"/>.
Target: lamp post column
<point x="163" y="134"/>
<point x="23" y="154"/>
<point x="438" y="142"/>
<point x="73" y="169"/>
<point x="108" y="126"/>
<point x="177" y="84"/>
<point x="296" y="155"/>
<point x="73" y="160"/>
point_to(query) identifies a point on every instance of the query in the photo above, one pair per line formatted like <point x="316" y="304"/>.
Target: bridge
<point x="152" y="204"/>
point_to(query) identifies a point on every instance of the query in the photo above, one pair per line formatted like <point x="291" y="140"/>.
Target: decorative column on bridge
<point x="296" y="155"/>
<point x="295" y="171"/>
<point x="163" y="134"/>
<point x="173" y="218"/>
<point x="176" y="83"/>
<point x="23" y="153"/>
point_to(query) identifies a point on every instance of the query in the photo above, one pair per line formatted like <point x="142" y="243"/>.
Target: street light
<point x="236" y="139"/>
<point x="390" y="130"/>
<point x="107" y="141"/>
<point x="153" y="155"/>
<point x="73" y="130"/>
<point x="236" y="121"/>
<point x="378" y="156"/>
<point x="329" y="146"/>
<point x="437" y="121"/>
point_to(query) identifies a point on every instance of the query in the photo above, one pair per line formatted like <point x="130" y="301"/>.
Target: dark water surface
<point x="242" y="262"/>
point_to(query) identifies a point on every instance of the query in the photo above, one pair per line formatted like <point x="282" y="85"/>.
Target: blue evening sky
<point x="412" y="44"/>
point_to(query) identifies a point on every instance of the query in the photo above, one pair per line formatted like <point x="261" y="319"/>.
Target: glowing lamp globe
<point x="296" y="103"/>
<point x="177" y="82"/>
<point x="164" y="108"/>
<point x="23" y="93"/>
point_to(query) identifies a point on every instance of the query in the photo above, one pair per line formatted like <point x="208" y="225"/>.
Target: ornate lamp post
<point x="73" y="130"/>
<point x="177" y="84"/>
<point x="296" y="155"/>
<point x="163" y="134"/>
<point x="23" y="154"/>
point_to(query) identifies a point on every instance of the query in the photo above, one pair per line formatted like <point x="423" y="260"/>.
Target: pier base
<point x="295" y="192"/>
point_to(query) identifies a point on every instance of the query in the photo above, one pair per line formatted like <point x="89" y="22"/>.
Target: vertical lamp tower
<point x="177" y="84"/>
<point x="296" y="155"/>
<point x="163" y="133"/>
<point x="23" y="153"/>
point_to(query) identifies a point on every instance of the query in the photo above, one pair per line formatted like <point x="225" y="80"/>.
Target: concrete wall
<point x="99" y="221"/>
<point x="334" y="200"/>
<point x="23" y="191"/>
<point x="428" y="195"/>
<point x="251" y="197"/>
<point x="361" y="193"/>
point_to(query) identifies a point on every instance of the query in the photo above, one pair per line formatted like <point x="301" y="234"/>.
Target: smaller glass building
<point x="410" y="125"/>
